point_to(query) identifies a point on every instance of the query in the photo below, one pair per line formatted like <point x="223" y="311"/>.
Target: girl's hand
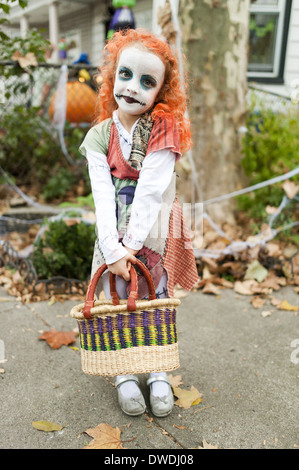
<point x="122" y="267"/>
<point x="133" y="253"/>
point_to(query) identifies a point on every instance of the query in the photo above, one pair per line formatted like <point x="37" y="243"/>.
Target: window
<point x="268" y="31"/>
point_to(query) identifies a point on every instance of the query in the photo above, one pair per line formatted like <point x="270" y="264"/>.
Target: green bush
<point x="30" y="152"/>
<point x="64" y="250"/>
<point x="58" y="184"/>
<point x="34" y="43"/>
<point x="270" y="148"/>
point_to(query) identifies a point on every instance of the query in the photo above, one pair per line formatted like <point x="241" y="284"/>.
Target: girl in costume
<point x="141" y="132"/>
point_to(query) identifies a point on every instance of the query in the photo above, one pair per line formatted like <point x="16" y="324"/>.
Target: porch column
<point x="24" y="25"/>
<point x="54" y="29"/>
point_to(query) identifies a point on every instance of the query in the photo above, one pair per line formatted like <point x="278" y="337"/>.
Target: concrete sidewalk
<point x="244" y="365"/>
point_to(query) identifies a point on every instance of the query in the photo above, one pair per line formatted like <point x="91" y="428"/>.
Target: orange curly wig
<point x="171" y="100"/>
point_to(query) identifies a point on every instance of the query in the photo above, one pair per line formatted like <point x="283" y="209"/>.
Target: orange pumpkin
<point x="80" y="102"/>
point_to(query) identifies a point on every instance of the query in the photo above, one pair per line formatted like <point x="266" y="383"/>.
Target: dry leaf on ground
<point x="179" y="427"/>
<point x="210" y="288"/>
<point x="180" y="293"/>
<point x="187" y="398"/>
<point x="47" y="426"/>
<point x="285" y="305"/>
<point x="257" y="302"/>
<point x="206" y="445"/>
<point x="245" y="287"/>
<point x="290" y="188"/>
<point x="175" y="380"/>
<point x="256" y="271"/>
<point x="266" y="313"/>
<point x="276" y="302"/>
<point x="56" y="339"/>
<point x="104" y="437"/>
<point x="274" y="282"/>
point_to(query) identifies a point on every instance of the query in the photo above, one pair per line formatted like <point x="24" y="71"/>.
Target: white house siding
<point x="97" y="32"/>
<point x="292" y="54"/>
<point x="78" y="22"/>
<point x="143" y="14"/>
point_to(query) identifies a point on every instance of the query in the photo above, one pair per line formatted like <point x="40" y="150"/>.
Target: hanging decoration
<point x="123" y="17"/>
<point x="62" y="49"/>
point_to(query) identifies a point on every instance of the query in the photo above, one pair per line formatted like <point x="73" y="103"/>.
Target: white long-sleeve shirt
<point x="154" y="177"/>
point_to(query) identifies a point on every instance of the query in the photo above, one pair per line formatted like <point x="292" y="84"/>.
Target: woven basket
<point x="130" y="336"/>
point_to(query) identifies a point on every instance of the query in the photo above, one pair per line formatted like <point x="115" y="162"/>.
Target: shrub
<point x="30" y="152"/>
<point x="270" y="148"/>
<point x="64" y="250"/>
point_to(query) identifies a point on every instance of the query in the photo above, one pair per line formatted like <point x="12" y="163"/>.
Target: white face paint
<point x="139" y="78"/>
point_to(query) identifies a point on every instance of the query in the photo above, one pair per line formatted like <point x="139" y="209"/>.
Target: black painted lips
<point x="128" y="99"/>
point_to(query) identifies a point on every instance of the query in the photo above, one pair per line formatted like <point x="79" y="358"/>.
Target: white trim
<point x="280" y="11"/>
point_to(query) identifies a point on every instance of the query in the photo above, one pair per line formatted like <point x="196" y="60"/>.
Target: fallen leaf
<point x="273" y="249"/>
<point x="52" y="300"/>
<point x="104" y="437"/>
<point x="290" y="188"/>
<point x="179" y="293"/>
<point x="25" y="61"/>
<point x="206" y="445"/>
<point x="17" y="278"/>
<point x="256" y="271"/>
<point x="210" y="288"/>
<point x="271" y="210"/>
<point x="276" y="302"/>
<point x="179" y="427"/>
<point x="187" y="398"/>
<point x="257" y="302"/>
<point x="175" y="380"/>
<point x="56" y="339"/>
<point x="206" y="273"/>
<point x="244" y="287"/>
<point x="274" y="282"/>
<point x="285" y="305"/>
<point x="289" y="251"/>
<point x="47" y="426"/>
<point x="266" y="313"/>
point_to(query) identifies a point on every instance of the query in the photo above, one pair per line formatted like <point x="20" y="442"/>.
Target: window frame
<point x="283" y="9"/>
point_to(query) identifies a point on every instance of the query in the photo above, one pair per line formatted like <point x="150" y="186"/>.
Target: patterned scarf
<point x="140" y="140"/>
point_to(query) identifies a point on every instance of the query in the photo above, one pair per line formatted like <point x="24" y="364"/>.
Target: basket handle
<point x="131" y="303"/>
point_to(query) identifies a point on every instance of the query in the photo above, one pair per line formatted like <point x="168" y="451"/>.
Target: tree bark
<point x="215" y="42"/>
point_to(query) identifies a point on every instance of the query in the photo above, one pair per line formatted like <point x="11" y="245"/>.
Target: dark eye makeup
<point x="125" y="73"/>
<point x="147" y="81"/>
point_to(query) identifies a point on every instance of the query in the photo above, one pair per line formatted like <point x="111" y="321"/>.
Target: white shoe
<point x="133" y="405"/>
<point x="161" y="406"/>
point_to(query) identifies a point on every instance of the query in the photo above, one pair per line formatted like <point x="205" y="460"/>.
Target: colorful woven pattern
<point x="155" y="327"/>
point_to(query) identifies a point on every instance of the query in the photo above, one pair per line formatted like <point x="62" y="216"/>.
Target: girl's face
<point x="139" y="78"/>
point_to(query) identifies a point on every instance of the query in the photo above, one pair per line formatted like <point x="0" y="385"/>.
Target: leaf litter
<point x="47" y="426"/>
<point x="185" y="398"/>
<point x="255" y="272"/>
<point x="104" y="437"/>
<point x="56" y="338"/>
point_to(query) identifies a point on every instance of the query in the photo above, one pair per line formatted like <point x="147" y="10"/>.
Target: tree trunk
<point x="215" y="42"/>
